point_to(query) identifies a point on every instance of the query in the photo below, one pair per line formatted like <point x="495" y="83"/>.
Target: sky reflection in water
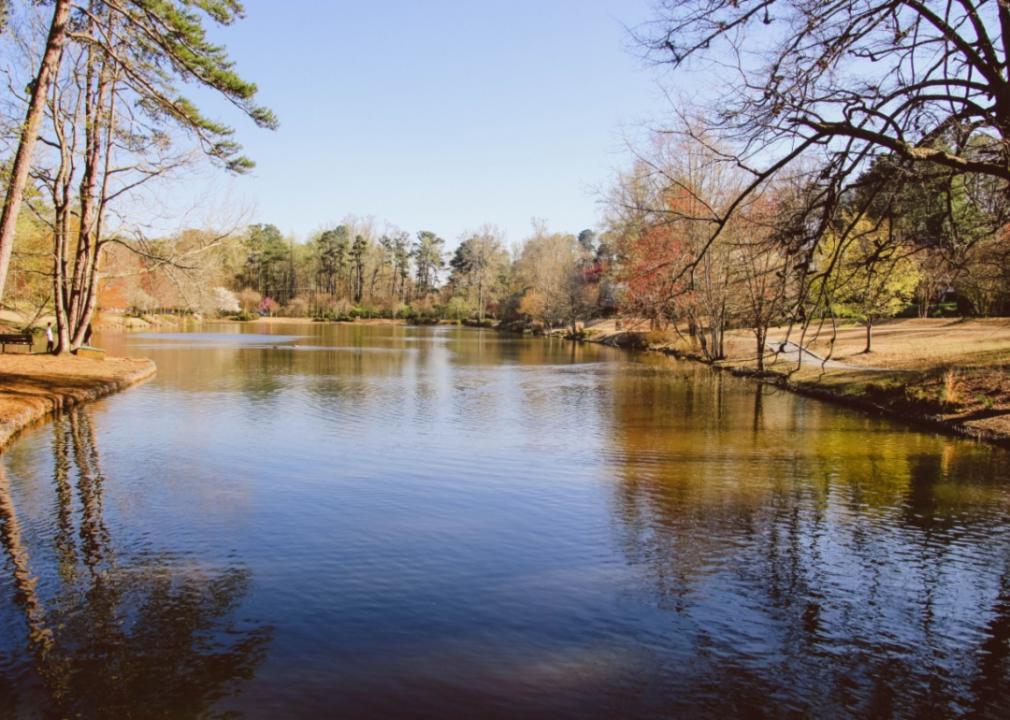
<point x="431" y="521"/>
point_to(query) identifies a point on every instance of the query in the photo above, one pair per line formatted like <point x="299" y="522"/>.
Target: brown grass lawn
<point x="956" y="369"/>
<point x="921" y="344"/>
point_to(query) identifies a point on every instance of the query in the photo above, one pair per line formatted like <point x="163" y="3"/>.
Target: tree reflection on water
<point x="115" y="632"/>
<point x="816" y="570"/>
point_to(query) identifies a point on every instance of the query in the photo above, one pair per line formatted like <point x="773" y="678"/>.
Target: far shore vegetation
<point x="814" y="206"/>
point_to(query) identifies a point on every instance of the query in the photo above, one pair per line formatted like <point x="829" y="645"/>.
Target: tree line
<point x="854" y="168"/>
<point x="890" y="247"/>
<point x="353" y="269"/>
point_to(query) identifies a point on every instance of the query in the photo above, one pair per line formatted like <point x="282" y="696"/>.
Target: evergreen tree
<point x="477" y="266"/>
<point x="267" y="262"/>
<point x="427" y="254"/>
<point x="358" y="250"/>
<point x="331" y="249"/>
<point x="401" y="263"/>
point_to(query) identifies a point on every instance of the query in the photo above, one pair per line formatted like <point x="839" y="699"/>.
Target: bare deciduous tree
<point x="834" y="85"/>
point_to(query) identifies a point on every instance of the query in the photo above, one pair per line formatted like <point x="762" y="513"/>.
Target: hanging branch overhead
<point x="924" y="80"/>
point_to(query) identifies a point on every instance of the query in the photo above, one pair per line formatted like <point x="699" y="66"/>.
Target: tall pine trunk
<point x="30" y="133"/>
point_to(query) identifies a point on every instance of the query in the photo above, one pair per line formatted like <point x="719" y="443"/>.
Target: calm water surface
<point x="349" y="521"/>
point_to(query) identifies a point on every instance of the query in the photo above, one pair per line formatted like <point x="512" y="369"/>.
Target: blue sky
<point x="438" y="115"/>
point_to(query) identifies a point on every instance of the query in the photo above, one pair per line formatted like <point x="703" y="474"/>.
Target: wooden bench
<point x="15" y="339"/>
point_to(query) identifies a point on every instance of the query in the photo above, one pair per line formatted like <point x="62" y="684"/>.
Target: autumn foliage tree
<point x="665" y="213"/>
<point x="873" y="278"/>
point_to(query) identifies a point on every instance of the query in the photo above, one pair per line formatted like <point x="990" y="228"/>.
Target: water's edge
<point x="834" y="394"/>
<point x="42" y="407"/>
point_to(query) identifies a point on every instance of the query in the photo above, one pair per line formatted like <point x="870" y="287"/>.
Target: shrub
<point x="249" y="300"/>
<point x="297" y="307"/>
<point x="269" y="306"/>
<point x="951" y="391"/>
<point x="225" y="301"/>
<point x="363" y="311"/>
<point x="457" y="309"/>
<point x="423" y="312"/>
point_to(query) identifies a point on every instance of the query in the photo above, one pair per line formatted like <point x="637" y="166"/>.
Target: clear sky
<point x="441" y="115"/>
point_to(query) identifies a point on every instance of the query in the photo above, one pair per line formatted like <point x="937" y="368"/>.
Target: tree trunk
<point x="60" y="295"/>
<point x="29" y="134"/>
<point x="61" y="232"/>
<point x="702" y="340"/>
<point x="760" y="334"/>
<point x="60" y="282"/>
<point x="88" y="299"/>
<point x="88" y="310"/>
<point x="717" y="340"/>
<point x="869" y="334"/>
<point x="722" y="330"/>
<point x="93" y="104"/>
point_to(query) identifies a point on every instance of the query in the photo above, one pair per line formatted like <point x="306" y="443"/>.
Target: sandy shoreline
<point x="34" y="387"/>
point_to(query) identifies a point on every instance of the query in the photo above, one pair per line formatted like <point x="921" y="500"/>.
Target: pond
<point x="388" y="521"/>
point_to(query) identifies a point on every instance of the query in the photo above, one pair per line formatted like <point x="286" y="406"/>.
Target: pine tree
<point x="137" y="52"/>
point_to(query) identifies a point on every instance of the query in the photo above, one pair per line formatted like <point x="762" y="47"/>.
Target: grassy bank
<point x="951" y="374"/>
<point x="32" y="387"/>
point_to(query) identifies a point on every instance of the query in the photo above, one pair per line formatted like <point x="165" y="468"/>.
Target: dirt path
<point x="790" y="352"/>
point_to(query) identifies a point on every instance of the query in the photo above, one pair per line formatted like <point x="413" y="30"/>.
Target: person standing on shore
<point x="49" y="338"/>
